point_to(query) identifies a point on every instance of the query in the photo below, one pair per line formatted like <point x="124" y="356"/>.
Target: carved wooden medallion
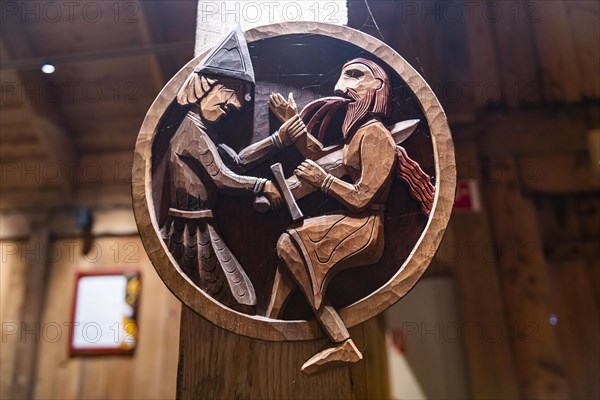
<point x="294" y="181"/>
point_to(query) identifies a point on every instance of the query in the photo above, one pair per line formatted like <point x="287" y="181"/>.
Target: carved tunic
<point x="352" y="238"/>
<point x="197" y="173"/>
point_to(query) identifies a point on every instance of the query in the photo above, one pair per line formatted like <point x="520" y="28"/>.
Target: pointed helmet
<point x="230" y="58"/>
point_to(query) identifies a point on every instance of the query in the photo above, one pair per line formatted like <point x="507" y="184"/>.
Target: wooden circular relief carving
<point x="361" y="166"/>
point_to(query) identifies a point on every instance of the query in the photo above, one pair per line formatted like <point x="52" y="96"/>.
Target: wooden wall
<point x="481" y="54"/>
<point x="519" y="81"/>
<point x="520" y="84"/>
<point x="149" y="374"/>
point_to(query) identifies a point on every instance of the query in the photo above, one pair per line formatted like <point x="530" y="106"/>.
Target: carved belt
<point x="200" y="214"/>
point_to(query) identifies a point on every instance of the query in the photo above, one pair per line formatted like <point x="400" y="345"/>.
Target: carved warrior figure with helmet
<point x="184" y="173"/>
<point x="312" y="252"/>
<point x="219" y="86"/>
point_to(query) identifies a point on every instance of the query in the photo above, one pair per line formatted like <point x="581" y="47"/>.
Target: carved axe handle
<point x="262" y="204"/>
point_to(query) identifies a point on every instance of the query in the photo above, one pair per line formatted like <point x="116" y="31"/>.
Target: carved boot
<point x="332" y="357"/>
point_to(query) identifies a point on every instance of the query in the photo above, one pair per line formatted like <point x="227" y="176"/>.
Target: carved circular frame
<point x="283" y="330"/>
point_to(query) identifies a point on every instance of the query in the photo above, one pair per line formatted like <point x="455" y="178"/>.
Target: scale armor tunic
<point x="197" y="176"/>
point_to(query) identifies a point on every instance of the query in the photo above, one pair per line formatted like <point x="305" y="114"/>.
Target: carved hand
<point x="293" y="129"/>
<point x="283" y="110"/>
<point x="311" y="172"/>
<point x="272" y="193"/>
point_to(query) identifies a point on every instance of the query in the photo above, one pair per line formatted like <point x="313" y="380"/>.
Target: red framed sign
<point x="104" y="313"/>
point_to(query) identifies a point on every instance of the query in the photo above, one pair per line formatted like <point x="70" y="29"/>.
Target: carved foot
<point x="332" y="357"/>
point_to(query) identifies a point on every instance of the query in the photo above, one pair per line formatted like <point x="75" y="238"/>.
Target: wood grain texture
<point x="150" y="373"/>
<point x="12" y="287"/>
<point x="570" y="224"/>
<point x="216" y="364"/>
<point x="518" y="67"/>
<point x="490" y="363"/>
<point x="523" y="269"/>
<point x="36" y="272"/>
<point x="578" y="325"/>
<point x="401" y="282"/>
<point x="556" y="51"/>
<point x="483" y="59"/>
<point x="585" y="30"/>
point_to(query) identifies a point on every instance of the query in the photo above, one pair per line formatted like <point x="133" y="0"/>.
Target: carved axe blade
<point x="403" y="129"/>
<point x="287" y="193"/>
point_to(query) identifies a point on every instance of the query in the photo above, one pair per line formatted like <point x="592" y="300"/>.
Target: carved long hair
<point x="194" y="89"/>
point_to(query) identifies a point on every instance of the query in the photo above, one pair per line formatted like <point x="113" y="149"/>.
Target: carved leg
<point x="283" y="287"/>
<point x="292" y="262"/>
<point x="344" y="352"/>
<point x="332" y="323"/>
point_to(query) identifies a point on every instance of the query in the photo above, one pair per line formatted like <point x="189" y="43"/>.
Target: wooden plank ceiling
<point x="67" y="138"/>
<point x="85" y="117"/>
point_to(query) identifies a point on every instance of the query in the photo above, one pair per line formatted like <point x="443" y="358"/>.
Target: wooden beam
<point x="485" y="77"/>
<point x="12" y="116"/>
<point x="114" y="221"/>
<point x="517" y="64"/>
<point x="584" y="27"/>
<point x="146" y="35"/>
<point x="23" y="385"/>
<point x="11" y="152"/>
<point x="42" y="115"/>
<point x="215" y="363"/>
<point x="531" y="132"/>
<point x="577" y="325"/>
<point x="90" y="195"/>
<point x="563" y="81"/>
<point x="561" y="173"/>
<point x="456" y="75"/>
<point x="526" y="286"/>
<point x="490" y="363"/>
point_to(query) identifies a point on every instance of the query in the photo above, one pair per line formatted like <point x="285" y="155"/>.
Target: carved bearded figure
<point x="312" y="252"/>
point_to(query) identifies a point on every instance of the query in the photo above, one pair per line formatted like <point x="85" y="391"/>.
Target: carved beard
<point x="357" y="110"/>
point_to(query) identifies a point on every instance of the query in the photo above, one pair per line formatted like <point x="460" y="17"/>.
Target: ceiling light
<point x="48" y="68"/>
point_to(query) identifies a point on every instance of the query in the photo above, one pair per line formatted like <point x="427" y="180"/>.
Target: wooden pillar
<point x="217" y="364"/>
<point x="23" y="384"/>
<point x="490" y="362"/>
<point x="577" y="324"/>
<point x="526" y="284"/>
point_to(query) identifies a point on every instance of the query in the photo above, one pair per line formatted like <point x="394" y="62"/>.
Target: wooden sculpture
<point x="312" y="252"/>
<point x="218" y="87"/>
<point x="341" y="202"/>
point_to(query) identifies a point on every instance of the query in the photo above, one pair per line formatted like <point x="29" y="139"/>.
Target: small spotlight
<point x="553" y="319"/>
<point x="48" y="68"/>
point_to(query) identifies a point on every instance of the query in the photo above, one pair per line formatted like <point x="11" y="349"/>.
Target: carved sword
<point x="332" y="163"/>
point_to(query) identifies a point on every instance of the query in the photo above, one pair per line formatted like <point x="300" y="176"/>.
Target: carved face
<point x="224" y="96"/>
<point x="357" y="82"/>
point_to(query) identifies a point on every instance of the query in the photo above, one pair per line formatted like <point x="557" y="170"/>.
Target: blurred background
<point x="508" y="309"/>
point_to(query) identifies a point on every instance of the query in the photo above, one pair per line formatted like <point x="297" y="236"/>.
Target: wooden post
<point x="490" y="361"/>
<point x="31" y="314"/>
<point x="217" y="364"/>
<point x="526" y="284"/>
<point x="216" y="361"/>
